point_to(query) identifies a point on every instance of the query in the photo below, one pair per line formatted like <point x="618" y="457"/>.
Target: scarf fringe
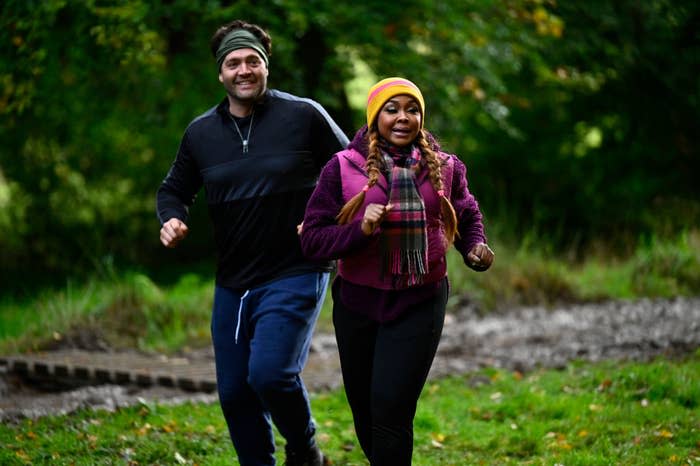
<point x="408" y="267"/>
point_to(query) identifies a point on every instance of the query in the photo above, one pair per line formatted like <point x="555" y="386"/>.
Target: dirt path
<point x="522" y="339"/>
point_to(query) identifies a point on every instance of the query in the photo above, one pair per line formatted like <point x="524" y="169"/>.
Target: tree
<point x="578" y="119"/>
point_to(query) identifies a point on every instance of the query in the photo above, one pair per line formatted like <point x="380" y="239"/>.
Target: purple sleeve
<point x="469" y="218"/>
<point x="322" y="238"/>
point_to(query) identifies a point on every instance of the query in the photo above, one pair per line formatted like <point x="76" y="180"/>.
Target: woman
<point x="387" y="208"/>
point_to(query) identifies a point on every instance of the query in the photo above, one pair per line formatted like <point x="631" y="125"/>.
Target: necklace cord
<point x="250" y="127"/>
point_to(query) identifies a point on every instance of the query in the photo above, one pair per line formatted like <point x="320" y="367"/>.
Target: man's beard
<point x="247" y="96"/>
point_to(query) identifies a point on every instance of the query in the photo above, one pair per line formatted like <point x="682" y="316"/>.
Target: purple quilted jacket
<point x="359" y="261"/>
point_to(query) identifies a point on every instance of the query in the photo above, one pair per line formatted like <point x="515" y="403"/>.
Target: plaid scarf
<point x="404" y="242"/>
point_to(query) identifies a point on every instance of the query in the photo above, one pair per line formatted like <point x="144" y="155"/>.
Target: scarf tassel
<point x="408" y="266"/>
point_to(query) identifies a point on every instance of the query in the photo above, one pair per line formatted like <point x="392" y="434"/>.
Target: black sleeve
<point x="179" y="188"/>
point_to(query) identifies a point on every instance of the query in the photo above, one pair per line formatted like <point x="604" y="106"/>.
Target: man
<point x="257" y="154"/>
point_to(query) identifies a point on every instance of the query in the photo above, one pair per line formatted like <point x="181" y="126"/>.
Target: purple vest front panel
<point x="364" y="267"/>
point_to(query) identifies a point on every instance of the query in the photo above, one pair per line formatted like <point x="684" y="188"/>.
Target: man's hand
<point x="172" y="232"/>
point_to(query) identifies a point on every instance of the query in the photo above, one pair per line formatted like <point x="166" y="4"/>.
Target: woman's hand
<point x="374" y="214"/>
<point x="480" y="257"/>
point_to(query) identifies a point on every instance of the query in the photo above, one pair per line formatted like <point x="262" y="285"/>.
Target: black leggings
<point x="385" y="366"/>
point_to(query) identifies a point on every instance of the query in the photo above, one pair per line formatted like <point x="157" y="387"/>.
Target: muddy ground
<point x="522" y="339"/>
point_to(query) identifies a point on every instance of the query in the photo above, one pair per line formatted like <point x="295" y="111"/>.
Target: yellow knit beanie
<point x="388" y="88"/>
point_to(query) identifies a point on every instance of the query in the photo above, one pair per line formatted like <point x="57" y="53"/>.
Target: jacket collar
<point x="359" y="144"/>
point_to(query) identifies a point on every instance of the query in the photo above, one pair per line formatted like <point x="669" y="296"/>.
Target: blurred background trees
<point x="578" y="121"/>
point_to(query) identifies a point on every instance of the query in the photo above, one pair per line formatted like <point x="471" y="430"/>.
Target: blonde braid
<point x="447" y="211"/>
<point x="348" y="211"/>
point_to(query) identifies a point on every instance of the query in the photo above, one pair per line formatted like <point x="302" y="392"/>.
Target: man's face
<point x="244" y="75"/>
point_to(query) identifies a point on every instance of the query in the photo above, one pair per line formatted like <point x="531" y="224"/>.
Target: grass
<point x="531" y="275"/>
<point x="128" y="311"/>
<point x="587" y="414"/>
<point x="131" y="310"/>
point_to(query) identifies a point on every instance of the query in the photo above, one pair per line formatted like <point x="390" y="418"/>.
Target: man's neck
<point x="241" y="108"/>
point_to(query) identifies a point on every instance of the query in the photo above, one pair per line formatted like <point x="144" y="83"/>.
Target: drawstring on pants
<point x="240" y="308"/>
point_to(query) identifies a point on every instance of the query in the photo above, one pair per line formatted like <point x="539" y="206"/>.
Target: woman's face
<point x="399" y="120"/>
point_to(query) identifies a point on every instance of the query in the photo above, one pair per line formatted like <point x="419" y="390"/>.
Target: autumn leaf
<point x="170" y="427"/>
<point x="663" y="434"/>
<point x="436" y="444"/>
<point x="604" y="385"/>
<point x="437" y="440"/>
<point x="144" y="429"/>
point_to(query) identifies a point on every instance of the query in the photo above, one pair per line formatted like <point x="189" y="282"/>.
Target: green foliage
<point x="669" y="268"/>
<point x="129" y="311"/>
<point x="587" y="414"/>
<point x="576" y="119"/>
<point x="609" y="127"/>
<point x="533" y="274"/>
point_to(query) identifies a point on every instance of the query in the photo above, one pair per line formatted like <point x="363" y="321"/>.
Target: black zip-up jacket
<point x="255" y="199"/>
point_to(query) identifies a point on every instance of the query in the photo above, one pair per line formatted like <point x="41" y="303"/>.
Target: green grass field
<point x="588" y="414"/>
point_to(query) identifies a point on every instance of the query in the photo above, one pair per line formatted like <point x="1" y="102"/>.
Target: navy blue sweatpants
<point x="261" y="342"/>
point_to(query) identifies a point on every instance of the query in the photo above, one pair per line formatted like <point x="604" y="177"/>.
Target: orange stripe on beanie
<point x="388" y="88"/>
